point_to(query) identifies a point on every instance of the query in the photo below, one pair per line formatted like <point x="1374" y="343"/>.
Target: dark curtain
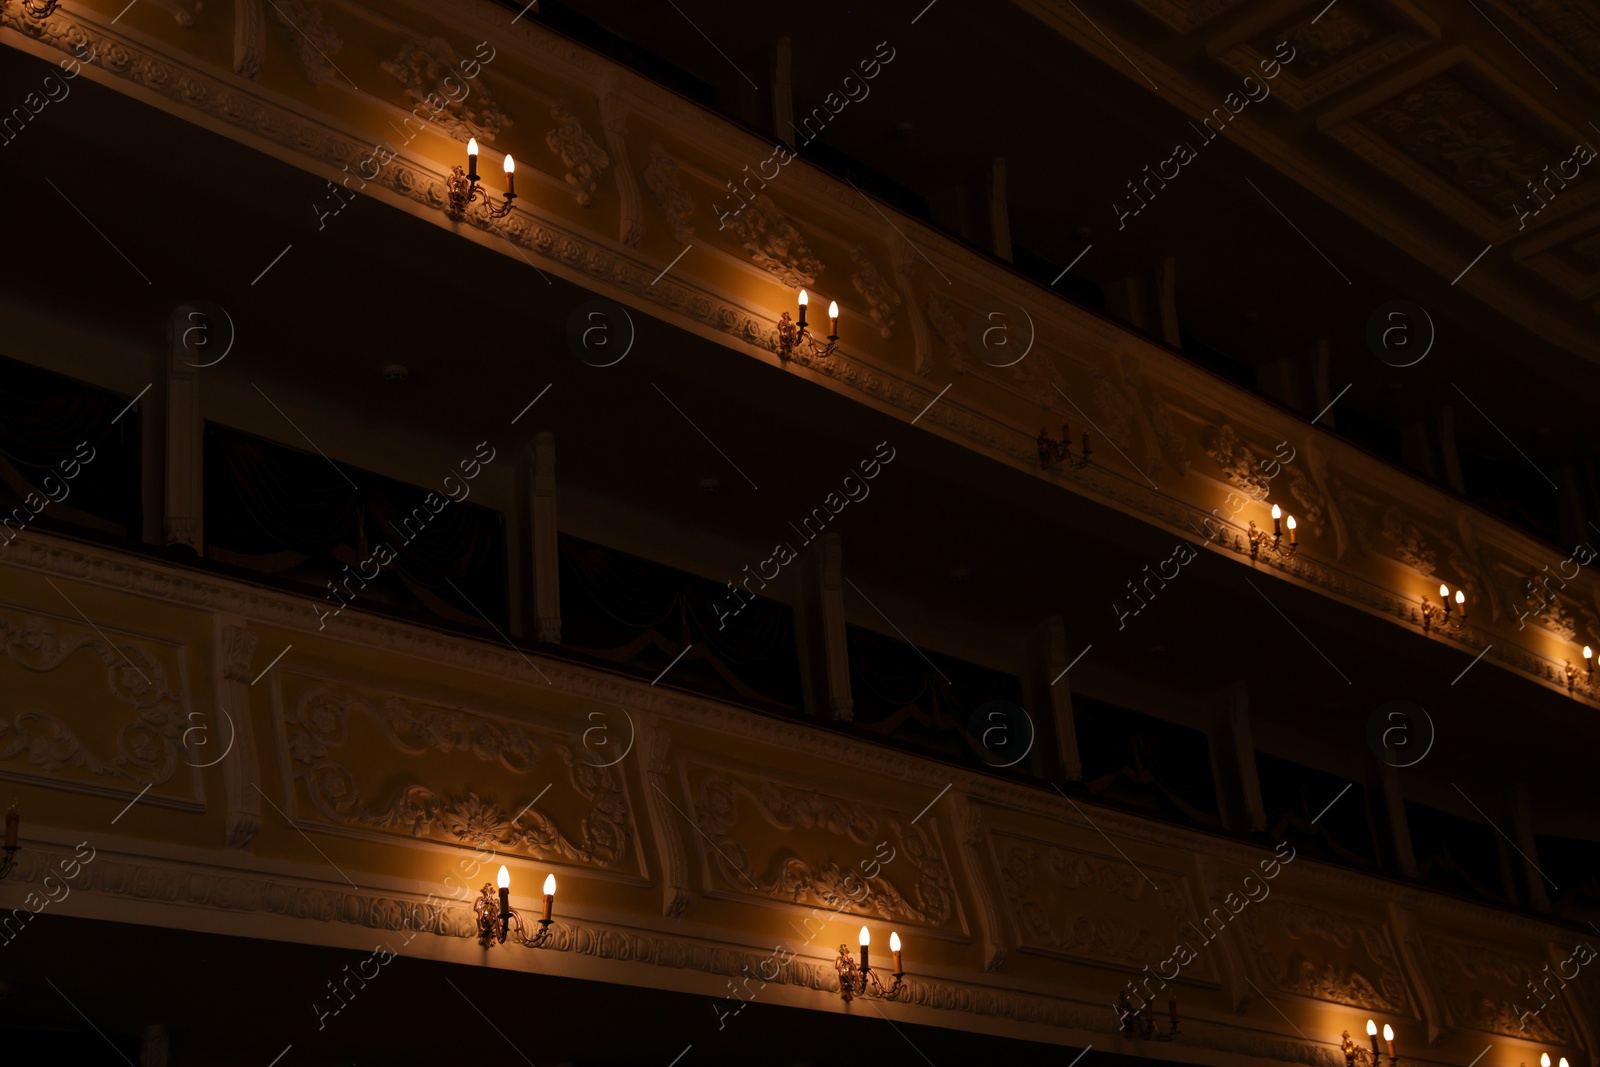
<point x="1146" y="762"/>
<point x="1455" y="853"/>
<point x="935" y="701"/>
<point x="44" y="417"/>
<point x="290" y="513"/>
<point x="1574" y="866"/>
<point x="641" y="614"/>
<point x="284" y="499"/>
<point x="1294" y="795"/>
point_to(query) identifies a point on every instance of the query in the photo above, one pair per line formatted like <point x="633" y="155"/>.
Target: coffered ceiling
<point x="1423" y="122"/>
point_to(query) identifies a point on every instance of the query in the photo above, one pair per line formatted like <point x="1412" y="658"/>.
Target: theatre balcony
<point x="600" y="533"/>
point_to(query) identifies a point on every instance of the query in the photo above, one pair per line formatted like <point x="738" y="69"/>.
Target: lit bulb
<point x="511" y="165"/>
<point x="1444" y="591"/>
<point x="866" y="939"/>
<point x="894" y="942"/>
<point x="1563" y="1061"/>
<point x="804" y="299"/>
<point x="1544" y="1059"/>
<point x="833" y="309"/>
<point x="1291" y="522"/>
<point x="1588" y="653"/>
<point x="1277" y="512"/>
<point x="549" y="885"/>
<point x="1388" y="1032"/>
<point x="1461" y="598"/>
<point x="1372" y="1031"/>
<point x="504" y="880"/>
<point x="472" y="146"/>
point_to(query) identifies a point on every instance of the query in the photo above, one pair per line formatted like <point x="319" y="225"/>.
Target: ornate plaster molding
<point x="315" y="730"/>
<point x="148" y="746"/>
<point x="241" y="762"/>
<point x="584" y="159"/>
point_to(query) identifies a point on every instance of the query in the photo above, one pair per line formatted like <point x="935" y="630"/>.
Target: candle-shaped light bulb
<point x="1277" y="525"/>
<point x="549" y="896"/>
<point x="1372" y="1034"/>
<point x="1563" y="1061"/>
<point x="804" y="300"/>
<point x="866" y="938"/>
<point x="472" y="158"/>
<point x="1588" y="653"/>
<point x="894" y="947"/>
<point x="1444" y="591"/>
<point x="504" y="881"/>
<point x="1461" y="602"/>
<point x="13" y="816"/>
<point x="511" y="177"/>
<point x="1388" y="1038"/>
<point x="1294" y="538"/>
<point x="1544" y="1059"/>
<point x="833" y="319"/>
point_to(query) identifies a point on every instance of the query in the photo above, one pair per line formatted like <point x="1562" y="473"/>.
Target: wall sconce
<point x="1359" y="1057"/>
<point x="1588" y="671"/>
<point x="496" y="920"/>
<point x="863" y="981"/>
<point x="1451" y="622"/>
<point x="1139" y="1022"/>
<point x="793" y="334"/>
<point x="13" y="817"/>
<point x="1051" y="450"/>
<point x="1259" y="539"/>
<point x="462" y="186"/>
